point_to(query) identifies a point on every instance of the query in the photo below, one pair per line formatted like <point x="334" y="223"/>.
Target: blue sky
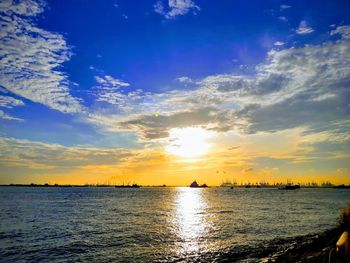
<point x="150" y="51"/>
<point x="123" y="75"/>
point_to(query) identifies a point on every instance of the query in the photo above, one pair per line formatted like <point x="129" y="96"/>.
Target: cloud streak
<point x="31" y="58"/>
<point x="31" y="154"/>
<point x="175" y="8"/>
<point x="304" y="29"/>
<point x="9" y="102"/>
<point x="8" y="117"/>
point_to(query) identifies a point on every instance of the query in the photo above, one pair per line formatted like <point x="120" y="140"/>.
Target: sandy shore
<point x="309" y="249"/>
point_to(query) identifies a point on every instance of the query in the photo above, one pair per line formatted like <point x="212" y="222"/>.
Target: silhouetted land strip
<point x="69" y="185"/>
<point x="342" y="186"/>
<point x="128" y="186"/>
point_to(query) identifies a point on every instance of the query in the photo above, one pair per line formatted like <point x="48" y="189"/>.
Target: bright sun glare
<point x="188" y="142"/>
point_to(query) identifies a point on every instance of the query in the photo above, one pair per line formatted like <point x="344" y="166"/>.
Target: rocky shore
<point x="310" y="249"/>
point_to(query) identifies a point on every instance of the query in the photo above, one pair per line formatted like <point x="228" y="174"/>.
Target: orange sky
<point x="256" y="158"/>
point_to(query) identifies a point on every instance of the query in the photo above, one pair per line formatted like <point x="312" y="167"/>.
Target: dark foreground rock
<point x="305" y="249"/>
<point x="309" y="249"/>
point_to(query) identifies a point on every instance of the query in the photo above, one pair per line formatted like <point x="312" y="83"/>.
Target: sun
<point x="188" y="142"/>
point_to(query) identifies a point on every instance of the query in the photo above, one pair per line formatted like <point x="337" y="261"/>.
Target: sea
<point x="170" y="224"/>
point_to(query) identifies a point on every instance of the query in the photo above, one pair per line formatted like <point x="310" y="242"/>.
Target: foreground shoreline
<point x="309" y="248"/>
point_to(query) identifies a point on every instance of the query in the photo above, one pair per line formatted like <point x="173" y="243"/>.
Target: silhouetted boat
<point x="227" y="184"/>
<point x="289" y="187"/>
<point x="196" y="185"/>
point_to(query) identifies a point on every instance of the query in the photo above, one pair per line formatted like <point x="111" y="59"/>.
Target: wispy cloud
<point x="31" y="58"/>
<point x="9" y="102"/>
<point x="108" y="82"/>
<point x="25" y="8"/>
<point x="304" y="28"/>
<point x="283" y="7"/>
<point x="109" y="90"/>
<point x="25" y="153"/>
<point x="343" y="31"/>
<point x="279" y="43"/>
<point x="184" y="79"/>
<point x="283" y="18"/>
<point x="8" y="117"/>
<point x="175" y="8"/>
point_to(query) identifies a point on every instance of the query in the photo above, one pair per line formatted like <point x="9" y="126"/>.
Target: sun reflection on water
<point x="189" y="222"/>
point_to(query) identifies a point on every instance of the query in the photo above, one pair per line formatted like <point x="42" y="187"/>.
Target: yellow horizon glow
<point x="191" y="153"/>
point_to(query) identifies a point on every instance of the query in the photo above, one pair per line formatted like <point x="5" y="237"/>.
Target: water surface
<point x="86" y="224"/>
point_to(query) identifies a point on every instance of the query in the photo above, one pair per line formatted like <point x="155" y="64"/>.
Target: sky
<point x="168" y="91"/>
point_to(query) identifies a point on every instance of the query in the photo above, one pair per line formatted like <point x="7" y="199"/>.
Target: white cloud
<point x="9" y="102"/>
<point x="283" y="7"/>
<point x="109" y="91"/>
<point x="25" y="8"/>
<point x="135" y="102"/>
<point x="31" y="58"/>
<point x="304" y="29"/>
<point x="184" y="79"/>
<point x="344" y="31"/>
<point x="279" y="43"/>
<point x="5" y="116"/>
<point x="109" y="82"/>
<point x="324" y="96"/>
<point x="175" y="8"/>
<point x="38" y="155"/>
<point x="283" y="18"/>
<point x="159" y="8"/>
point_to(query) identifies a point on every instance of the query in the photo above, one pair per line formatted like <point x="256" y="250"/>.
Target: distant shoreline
<point x="342" y="186"/>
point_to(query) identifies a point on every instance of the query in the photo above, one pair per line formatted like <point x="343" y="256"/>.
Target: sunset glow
<point x="189" y="142"/>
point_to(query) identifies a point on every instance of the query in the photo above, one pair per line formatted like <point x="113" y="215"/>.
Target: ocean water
<point x="82" y="224"/>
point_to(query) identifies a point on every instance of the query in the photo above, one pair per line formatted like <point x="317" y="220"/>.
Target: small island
<point x="194" y="184"/>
